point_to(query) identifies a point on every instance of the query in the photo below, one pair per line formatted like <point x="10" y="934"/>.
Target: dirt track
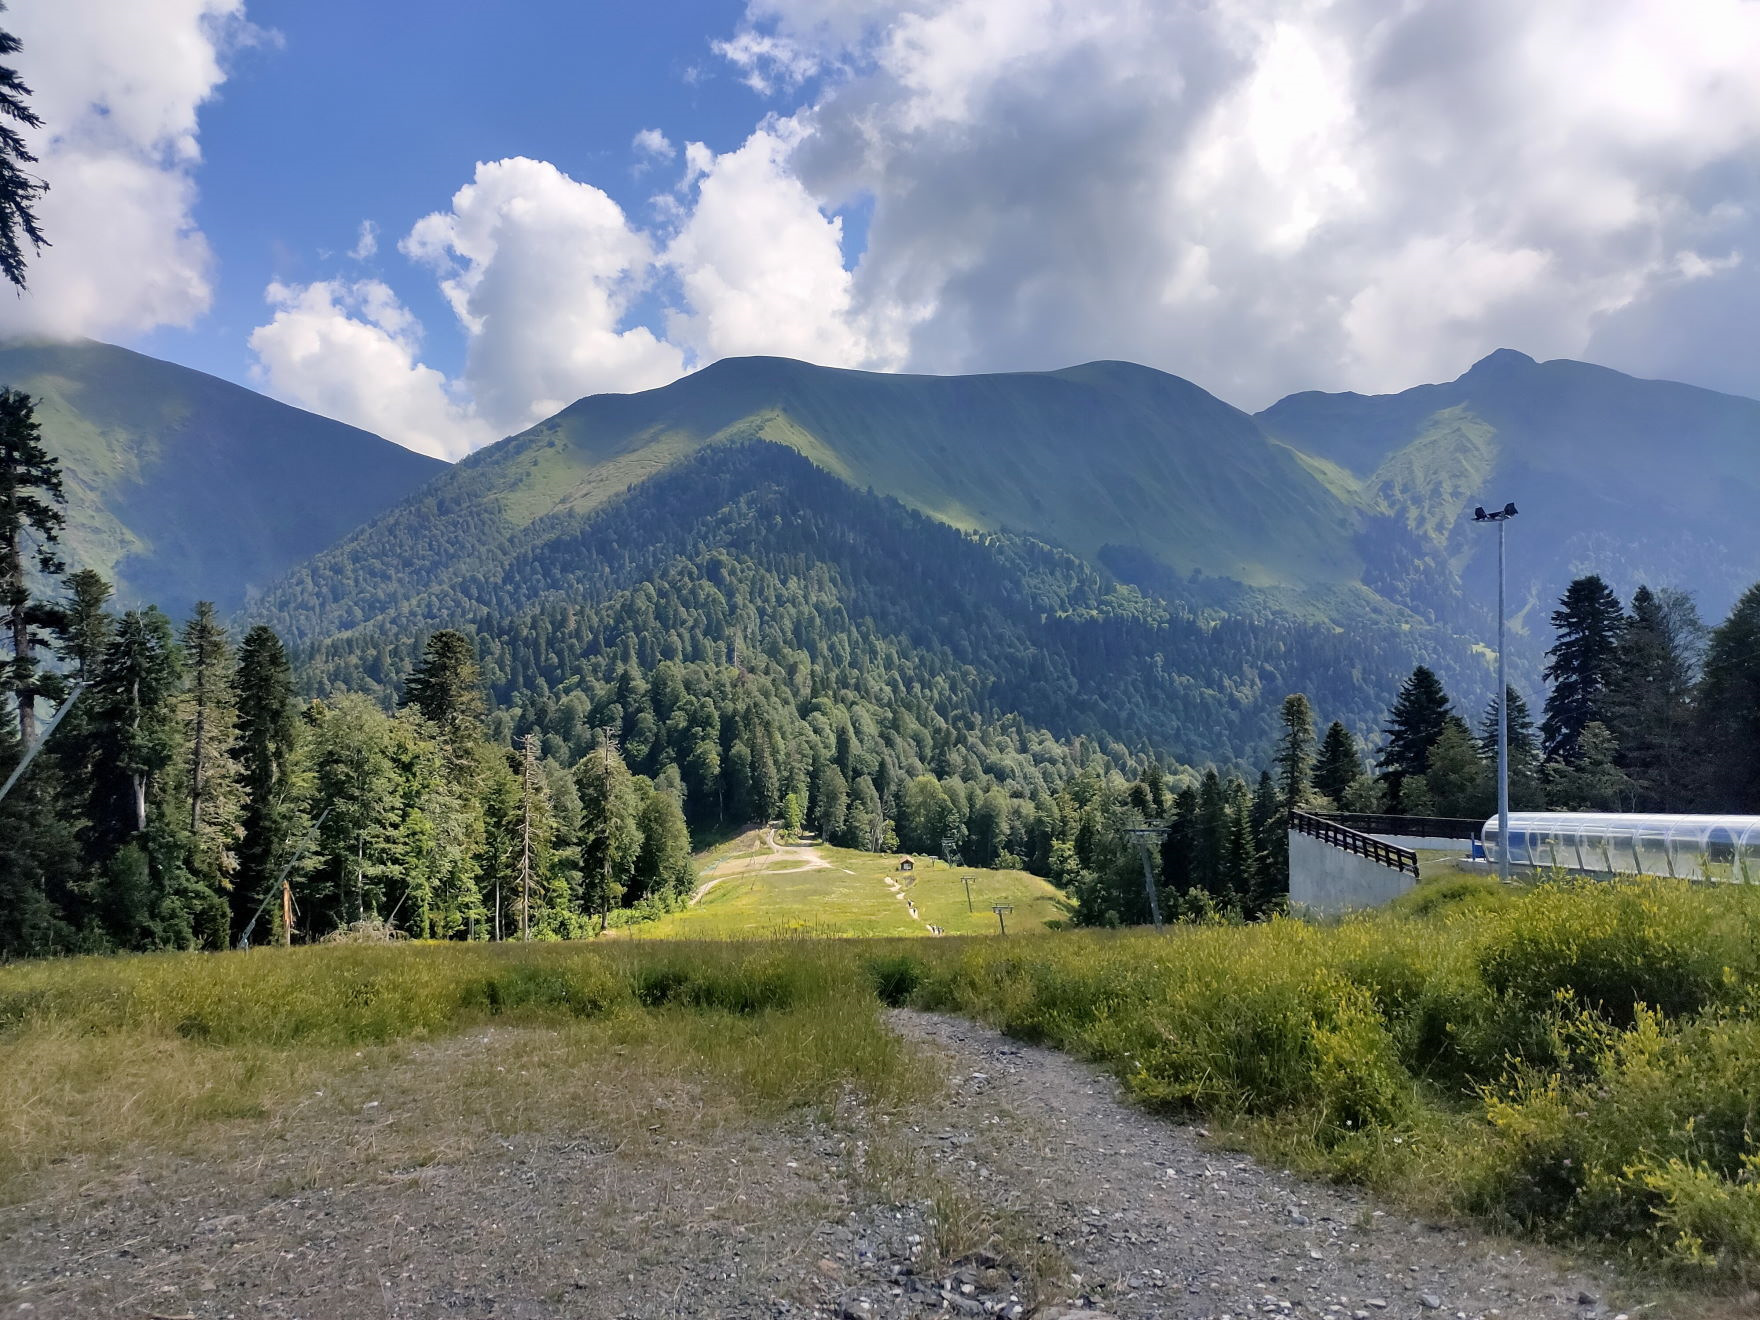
<point x="660" y="1200"/>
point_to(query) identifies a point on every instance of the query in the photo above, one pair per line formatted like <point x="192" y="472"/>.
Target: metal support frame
<point x="1142" y="837"/>
<point x="30" y="753"/>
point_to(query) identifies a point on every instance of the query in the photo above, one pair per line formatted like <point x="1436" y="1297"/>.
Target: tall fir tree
<point x="1179" y="844"/>
<point x="1419" y="715"/>
<point x="1594" y="781"/>
<point x="1244" y="885"/>
<point x="87" y="623"/>
<point x="663" y="869"/>
<point x="1461" y="784"/>
<point x="135" y="705"/>
<point x="210" y="730"/>
<point x="44" y="902"/>
<point x="1210" y="839"/>
<point x="263" y="696"/>
<point x="30" y="527"/>
<point x="1295" y="752"/>
<point x="1271" y="834"/>
<point x="1526" y="786"/>
<point x="1729" y="710"/>
<point x="447" y="687"/>
<point x="611" y="838"/>
<point x="88" y="629"/>
<point x="19" y="188"/>
<point x="148" y="896"/>
<point x="1579" y="665"/>
<point x="356" y="804"/>
<point x="1339" y="764"/>
<point x="1650" y="697"/>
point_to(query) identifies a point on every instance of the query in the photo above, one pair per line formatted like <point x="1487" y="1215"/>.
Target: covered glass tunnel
<point x="1725" y="848"/>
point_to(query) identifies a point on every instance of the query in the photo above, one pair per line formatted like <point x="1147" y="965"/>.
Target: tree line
<point x="188" y="799"/>
<point x="1646" y="709"/>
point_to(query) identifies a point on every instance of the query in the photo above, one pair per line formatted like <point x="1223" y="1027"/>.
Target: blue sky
<point x="1262" y="196"/>
<point x="378" y="111"/>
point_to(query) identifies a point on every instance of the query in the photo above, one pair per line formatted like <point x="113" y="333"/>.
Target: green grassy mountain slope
<point x="1116" y="463"/>
<point x="182" y="486"/>
<point x="1639" y="480"/>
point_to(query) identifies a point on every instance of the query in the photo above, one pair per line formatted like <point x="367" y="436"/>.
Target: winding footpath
<point x="1155" y="1223"/>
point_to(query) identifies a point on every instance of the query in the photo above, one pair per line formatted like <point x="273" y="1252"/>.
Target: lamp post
<point x="1501" y="517"/>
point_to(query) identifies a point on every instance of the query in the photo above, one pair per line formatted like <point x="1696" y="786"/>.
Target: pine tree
<point x="1271" y="836"/>
<point x="1295" y="752"/>
<point x="263" y="696"/>
<point x="1419" y="715"/>
<point x="30" y="496"/>
<point x="136" y="722"/>
<point x="1593" y="782"/>
<point x="1210" y="838"/>
<point x="925" y="817"/>
<point x="1244" y="885"/>
<point x="148" y="898"/>
<point x="1339" y="764"/>
<point x="447" y="687"/>
<point x="1179" y="844"/>
<point x="85" y="638"/>
<point x="830" y="800"/>
<point x="1526" y="787"/>
<point x="1460" y="783"/>
<point x="42" y="906"/>
<point x="1729" y="709"/>
<point x="88" y="624"/>
<point x="19" y="189"/>
<point x="355" y="796"/>
<point x="210" y="729"/>
<point x="1579" y="665"/>
<point x="1650" y="697"/>
<point x="611" y="838"/>
<point x="663" y="869"/>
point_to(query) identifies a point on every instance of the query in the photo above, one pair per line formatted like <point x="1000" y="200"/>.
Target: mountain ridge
<point x="182" y="486"/>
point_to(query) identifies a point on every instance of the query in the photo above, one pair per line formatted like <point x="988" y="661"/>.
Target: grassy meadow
<point x="753" y="889"/>
<point x="1577" y="1062"/>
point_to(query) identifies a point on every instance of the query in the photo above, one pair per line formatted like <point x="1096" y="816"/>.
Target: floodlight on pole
<point x="1501" y="517"/>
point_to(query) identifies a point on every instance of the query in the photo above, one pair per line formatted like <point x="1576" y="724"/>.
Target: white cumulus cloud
<point x="651" y="147"/>
<point x="367" y="244"/>
<point x="1261" y="195"/>
<point x="542" y="272"/>
<point x="760" y="265"/>
<point x="118" y="85"/>
<point x="1270" y="194"/>
<point x="349" y="351"/>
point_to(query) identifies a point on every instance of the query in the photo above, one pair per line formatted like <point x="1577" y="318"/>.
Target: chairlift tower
<point x="1142" y="837"/>
<point x="1501" y="517"/>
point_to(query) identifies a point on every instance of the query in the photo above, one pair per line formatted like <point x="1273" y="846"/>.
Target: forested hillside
<point x="183" y="487"/>
<point x="749" y="557"/>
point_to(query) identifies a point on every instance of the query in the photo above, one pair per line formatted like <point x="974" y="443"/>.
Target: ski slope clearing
<point x="757" y="886"/>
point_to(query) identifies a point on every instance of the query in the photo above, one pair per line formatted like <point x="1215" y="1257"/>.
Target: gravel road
<point x="1157" y="1225"/>
<point x="1026" y="1190"/>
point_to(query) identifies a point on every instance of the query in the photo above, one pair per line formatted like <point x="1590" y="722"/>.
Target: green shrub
<point x="895" y="977"/>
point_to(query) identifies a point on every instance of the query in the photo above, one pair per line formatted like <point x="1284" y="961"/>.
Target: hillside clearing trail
<point x="1157" y="1224"/>
<point x="808" y="858"/>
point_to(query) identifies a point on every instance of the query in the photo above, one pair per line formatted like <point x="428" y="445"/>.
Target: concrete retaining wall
<point x="1325" y="880"/>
